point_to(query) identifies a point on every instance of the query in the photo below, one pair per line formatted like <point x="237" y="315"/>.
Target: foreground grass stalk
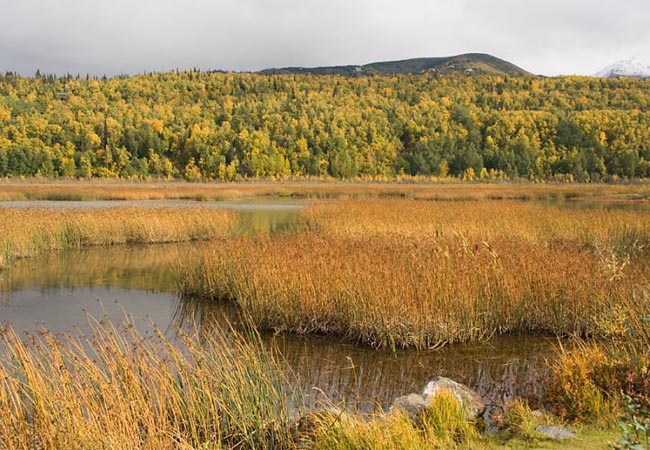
<point x="123" y="390"/>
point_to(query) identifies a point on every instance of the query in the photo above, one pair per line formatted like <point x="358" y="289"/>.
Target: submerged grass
<point x="402" y="273"/>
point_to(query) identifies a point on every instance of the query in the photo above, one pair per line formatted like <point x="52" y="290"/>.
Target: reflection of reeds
<point x="412" y="274"/>
<point x="143" y="267"/>
<point x="500" y="370"/>
<point x="24" y="232"/>
<point x="122" y="390"/>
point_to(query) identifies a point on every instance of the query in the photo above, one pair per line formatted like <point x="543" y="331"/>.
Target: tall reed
<point x="122" y="390"/>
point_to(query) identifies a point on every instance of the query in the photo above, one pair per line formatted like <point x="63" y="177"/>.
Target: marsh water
<point x="58" y="291"/>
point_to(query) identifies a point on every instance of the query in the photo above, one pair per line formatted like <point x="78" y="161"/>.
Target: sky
<point x="109" y="37"/>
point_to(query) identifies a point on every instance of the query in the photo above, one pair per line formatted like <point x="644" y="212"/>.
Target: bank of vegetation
<point x="118" y="389"/>
<point x="410" y="188"/>
<point x="197" y="125"/>
<point x="404" y="273"/>
<point x="25" y="232"/>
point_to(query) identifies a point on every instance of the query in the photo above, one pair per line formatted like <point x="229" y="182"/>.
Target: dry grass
<point x="121" y="190"/>
<point x="26" y="231"/>
<point x="588" y="380"/>
<point x="389" y="273"/>
<point x="421" y="274"/>
<point x="443" y="426"/>
<point x="123" y="390"/>
<point x="119" y="389"/>
<point x="534" y="222"/>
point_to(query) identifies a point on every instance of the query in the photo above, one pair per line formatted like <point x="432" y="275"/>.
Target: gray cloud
<point x="131" y="36"/>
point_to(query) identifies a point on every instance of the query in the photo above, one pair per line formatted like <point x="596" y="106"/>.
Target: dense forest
<point x="226" y="126"/>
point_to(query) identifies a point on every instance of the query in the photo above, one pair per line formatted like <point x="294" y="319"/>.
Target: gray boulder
<point x="412" y="404"/>
<point x="415" y="404"/>
<point x="472" y="402"/>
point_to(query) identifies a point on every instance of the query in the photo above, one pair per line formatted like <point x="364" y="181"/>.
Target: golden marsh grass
<point x="449" y="190"/>
<point x="122" y="390"/>
<point x="27" y="231"/>
<point x="403" y="273"/>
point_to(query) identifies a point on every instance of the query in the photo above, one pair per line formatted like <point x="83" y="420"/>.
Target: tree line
<point x="208" y="125"/>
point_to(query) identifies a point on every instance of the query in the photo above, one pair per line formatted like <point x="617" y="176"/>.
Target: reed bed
<point x="27" y="231"/>
<point x="119" y="389"/>
<point x="571" y="226"/>
<point x="323" y="189"/>
<point x="399" y="273"/>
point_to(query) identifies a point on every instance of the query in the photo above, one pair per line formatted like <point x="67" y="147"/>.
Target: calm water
<point x="56" y="291"/>
<point x="245" y="204"/>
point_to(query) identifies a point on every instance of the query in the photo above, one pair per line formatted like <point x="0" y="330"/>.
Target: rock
<point x="412" y="404"/>
<point x="553" y="432"/>
<point x="472" y="402"/>
<point x="493" y="431"/>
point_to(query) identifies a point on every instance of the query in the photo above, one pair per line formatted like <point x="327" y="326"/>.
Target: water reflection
<point x="328" y="369"/>
<point x="366" y="379"/>
<point x="146" y="268"/>
<point x="268" y="221"/>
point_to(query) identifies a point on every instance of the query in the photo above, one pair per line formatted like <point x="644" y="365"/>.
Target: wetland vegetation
<point x="406" y="273"/>
<point x="389" y="267"/>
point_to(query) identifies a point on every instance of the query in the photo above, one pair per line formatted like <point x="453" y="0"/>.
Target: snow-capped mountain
<point x="631" y="68"/>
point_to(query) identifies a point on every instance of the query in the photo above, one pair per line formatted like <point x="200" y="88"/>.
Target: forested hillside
<point x="471" y="63"/>
<point x="229" y="126"/>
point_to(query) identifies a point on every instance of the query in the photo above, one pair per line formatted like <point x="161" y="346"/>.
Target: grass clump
<point x="403" y="273"/>
<point x="595" y="380"/>
<point x="27" y="231"/>
<point x="122" y="390"/>
<point x="443" y="425"/>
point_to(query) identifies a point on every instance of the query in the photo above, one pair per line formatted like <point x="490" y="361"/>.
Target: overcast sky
<point x="129" y="36"/>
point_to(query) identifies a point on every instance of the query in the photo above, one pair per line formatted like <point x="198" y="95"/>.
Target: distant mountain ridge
<point x="631" y="68"/>
<point x="470" y="63"/>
